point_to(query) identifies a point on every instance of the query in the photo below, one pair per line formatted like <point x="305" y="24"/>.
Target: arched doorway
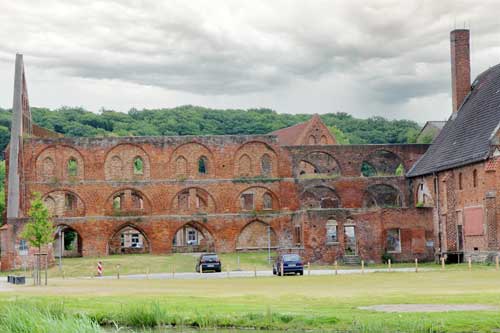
<point x="192" y="237"/>
<point x="128" y="240"/>
<point x="67" y="242"/>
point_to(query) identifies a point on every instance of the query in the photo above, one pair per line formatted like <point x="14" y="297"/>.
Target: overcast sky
<point x="366" y="58"/>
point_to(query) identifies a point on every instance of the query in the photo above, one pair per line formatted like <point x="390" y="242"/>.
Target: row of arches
<point x="128" y="161"/>
<point x="376" y="164"/>
<point x="377" y="195"/>
<point x="130" y="201"/>
<point x="190" y="237"/>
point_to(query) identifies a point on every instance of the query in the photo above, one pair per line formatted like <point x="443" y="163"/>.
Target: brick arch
<point x="128" y="208"/>
<point x="194" y="206"/>
<point x="254" y="235"/>
<point x="126" y="152"/>
<point x="256" y="150"/>
<point x="205" y="243"/>
<point x="79" y="241"/>
<point x="258" y="192"/>
<point x="322" y="162"/>
<point x="384" y="162"/>
<point x="60" y="154"/>
<point x="58" y="195"/>
<point x="382" y="195"/>
<point x="192" y="151"/>
<point x="320" y="196"/>
<point x="115" y="239"/>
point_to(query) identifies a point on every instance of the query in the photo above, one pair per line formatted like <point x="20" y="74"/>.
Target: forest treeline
<point x="195" y="120"/>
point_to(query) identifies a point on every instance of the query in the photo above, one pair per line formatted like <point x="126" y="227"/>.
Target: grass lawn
<point x="315" y="302"/>
<point x="140" y="264"/>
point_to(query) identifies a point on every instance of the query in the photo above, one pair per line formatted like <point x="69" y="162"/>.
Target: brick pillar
<point x="491" y="220"/>
<point x="460" y="66"/>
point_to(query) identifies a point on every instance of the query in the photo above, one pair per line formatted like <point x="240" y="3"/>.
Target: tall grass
<point x="30" y="318"/>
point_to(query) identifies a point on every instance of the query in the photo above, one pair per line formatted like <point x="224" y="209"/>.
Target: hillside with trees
<point x="195" y="120"/>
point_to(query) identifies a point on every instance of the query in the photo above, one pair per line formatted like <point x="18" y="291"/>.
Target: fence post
<point x="469" y="263"/>
<point x="147" y="273"/>
<point x="227" y="270"/>
<point x="308" y="268"/>
<point x="255" y="271"/>
<point x="201" y="268"/>
<point x="173" y="271"/>
<point x="496" y="263"/>
<point x="389" y="264"/>
<point x="118" y="271"/>
<point x="46" y="266"/>
<point x="442" y="263"/>
<point x="281" y="269"/>
<point x="362" y="267"/>
<point x="336" y="268"/>
<point x="416" y="265"/>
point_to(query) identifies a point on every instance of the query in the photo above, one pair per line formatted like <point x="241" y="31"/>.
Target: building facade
<point x="293" y="190"/>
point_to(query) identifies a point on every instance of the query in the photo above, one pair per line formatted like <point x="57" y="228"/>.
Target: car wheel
<point x="301" y="273"/>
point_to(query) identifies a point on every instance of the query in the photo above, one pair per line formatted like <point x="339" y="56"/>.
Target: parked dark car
<point x="292" y="263"/>
<point x="209" y="262"/>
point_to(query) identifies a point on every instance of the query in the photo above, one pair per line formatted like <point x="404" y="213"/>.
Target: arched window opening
<point x="247" y="201"/>
<point x="128" y="240"/>
<point x="183" y="200"/>
<point x="48" y="168"/>
<point x="312" y="140"/>
<point x="323" y="140"/>
<point x="137" y="201"/>
<point x="245" y="166"/>
<point x="193" y="237"/>
<point x="72" y="167"/>
<point x="69" y="202"/>
<point x="116" y="167"/>
<point x="474" y="178"/>
<point x="202" y="165"/>
<point x="138" y="166"/>
<point x="50" y="203"/>
<point x="181" y="166"/>
<point x="267" y="201"/>
<point x="118" y="201"/>
<point x="367" y="170"/>
<point x="266" y="165"/>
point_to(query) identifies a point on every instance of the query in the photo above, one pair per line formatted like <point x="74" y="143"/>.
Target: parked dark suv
<point x="209" y="262"/>
<point x="292" y="263"/>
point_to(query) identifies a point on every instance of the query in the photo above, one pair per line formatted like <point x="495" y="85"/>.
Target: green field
<point x="294" y="302"/>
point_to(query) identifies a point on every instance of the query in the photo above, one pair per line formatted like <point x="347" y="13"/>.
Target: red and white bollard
<point x="99" y="268"/>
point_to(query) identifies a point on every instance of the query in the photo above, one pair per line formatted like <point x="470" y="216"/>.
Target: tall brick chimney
<point x="460" y="66"/>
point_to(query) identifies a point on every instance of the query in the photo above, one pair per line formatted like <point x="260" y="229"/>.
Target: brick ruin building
<point x="293" y="190"/>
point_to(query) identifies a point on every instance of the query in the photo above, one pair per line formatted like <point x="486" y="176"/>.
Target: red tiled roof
<point x="289" y="135"/>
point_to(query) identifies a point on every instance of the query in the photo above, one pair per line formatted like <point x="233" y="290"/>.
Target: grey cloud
<point x="396" y="51"/>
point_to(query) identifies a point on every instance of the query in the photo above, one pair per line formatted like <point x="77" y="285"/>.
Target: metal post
<point x="61" y="247"/>
<point x="269" y="243"/>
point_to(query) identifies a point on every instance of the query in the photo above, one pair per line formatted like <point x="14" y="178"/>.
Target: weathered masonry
<point x="293" y="190"/>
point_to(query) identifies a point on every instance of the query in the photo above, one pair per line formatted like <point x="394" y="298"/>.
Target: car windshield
<point x="291" y="257"/>
<point x="210" y="257"/>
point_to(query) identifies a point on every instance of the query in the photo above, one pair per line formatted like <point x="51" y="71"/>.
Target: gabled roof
<point x="297" y="135"/>
<point x="467" y="136"/>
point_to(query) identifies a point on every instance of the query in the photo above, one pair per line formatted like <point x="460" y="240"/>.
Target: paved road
<point x="242" y="274"/>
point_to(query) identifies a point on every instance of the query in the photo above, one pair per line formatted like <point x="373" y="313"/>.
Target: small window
<point x="69" y="202"/>
<point x="72" y="167"/>
<point x="312" y="140"/>
<point x="267" y="201"/>
<point x="332" y="231"/>
<point x="247" y="202"/>
<point x="266" y="165"/>
<point x="474" y="178"/>
<point x="137" y="201"/>
<point x="298" y="235"/>
<point x="23" y="245"/>
<point x="393" y="241"/>
<point x="138" y="166"/>
<point x="460" y="181"/>
<point x="118" y="202"/>
<point x="202" y="165"/>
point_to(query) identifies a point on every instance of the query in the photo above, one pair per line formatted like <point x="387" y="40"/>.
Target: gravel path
<point x="241" y="274"/>
<point x="429" y="307"/>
